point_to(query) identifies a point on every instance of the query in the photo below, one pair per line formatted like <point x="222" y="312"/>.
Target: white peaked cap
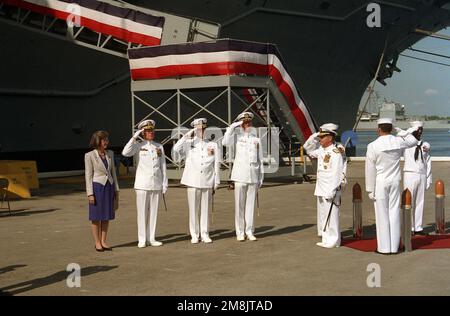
<point x="416" y="124"/>
<point x="384" y="120"/>
<point x="245" y="116"/>
<point x="199" y="121"/>
<point x="329" y="128"/>
<point x="147" y="124"/>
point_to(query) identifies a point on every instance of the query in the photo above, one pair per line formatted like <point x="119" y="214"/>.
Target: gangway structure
<point x="213" y="79"/>
<point x="108" y="26"/>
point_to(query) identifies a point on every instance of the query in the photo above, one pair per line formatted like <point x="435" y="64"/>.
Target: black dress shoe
<point x="421" y="233"/>
<point x="107" y="248"/>
<point x="99" y="250"/>
<point x="382" y="253"/>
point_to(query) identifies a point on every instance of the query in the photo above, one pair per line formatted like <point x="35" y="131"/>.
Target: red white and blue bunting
<point x="122" y="23"/>
<point x="221" y="57"/>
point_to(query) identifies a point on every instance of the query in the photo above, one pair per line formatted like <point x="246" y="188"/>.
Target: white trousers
<point x="199" y="199"/>
<point x="416" y="184"/>
<point x="244" y="201"/>
<point x="319" y="219"/>
<point x="387" y="216"/>
<point x="147" y="211"/>
<point x="332" y="235"/>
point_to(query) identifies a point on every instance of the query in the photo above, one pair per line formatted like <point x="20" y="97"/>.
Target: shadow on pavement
<point x="60" y="276"/>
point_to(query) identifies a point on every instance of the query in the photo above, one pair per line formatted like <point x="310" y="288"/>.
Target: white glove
<point x="412" y="129"/>
<point x="372" y="196"/>
<point x="401" y="133"/>
<point x="236" y="124"/>
<point x="190" y="133"/>
<point x="138" y="134"/>
<point x="316" y="135"/>
<point x="164" y="190"/>
<point x="428" y="183"/>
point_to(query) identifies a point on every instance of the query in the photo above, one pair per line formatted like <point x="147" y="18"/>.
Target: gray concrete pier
<point x="51" y="230"/>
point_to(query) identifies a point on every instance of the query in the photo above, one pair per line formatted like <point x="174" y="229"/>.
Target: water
<point x="439" y="141"/>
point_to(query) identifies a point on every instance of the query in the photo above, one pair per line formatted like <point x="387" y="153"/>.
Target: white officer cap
<point x="199" y="122"/>
<point x="245" y="116"/>
<point x="328" y="129"/>
<point x="147" y="124"/>
<point x="384" y="120"/>
<point x="416" y="124"/>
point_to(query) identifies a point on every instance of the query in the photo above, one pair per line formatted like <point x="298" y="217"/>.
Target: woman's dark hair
<point x="97" y="137"/>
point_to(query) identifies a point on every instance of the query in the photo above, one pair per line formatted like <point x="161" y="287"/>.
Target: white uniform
<point x="383" y="183"/>
<point x="247" y="175"/>
<point x="417" y="178"/>
<point x="150" y="181"/>
<point x="331" y="176"/>
<point x="201" y="175"/>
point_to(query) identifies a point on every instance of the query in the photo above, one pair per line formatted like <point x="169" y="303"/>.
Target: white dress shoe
<point x="240" y="238"/>
<point x="321" y="244"/>
<point x="142" y="245"/>
<point x="206" y="240"/>
<point x="251" y="237"/>
<point x="194" y="240"/>
<point x="155" y="243"/>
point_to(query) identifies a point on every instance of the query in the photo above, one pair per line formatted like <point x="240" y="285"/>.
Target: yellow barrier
<point x="26" y="167"/>
<point x="18" y="185"/>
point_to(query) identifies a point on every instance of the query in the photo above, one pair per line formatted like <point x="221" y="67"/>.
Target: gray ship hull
<point x="54" y="94"/>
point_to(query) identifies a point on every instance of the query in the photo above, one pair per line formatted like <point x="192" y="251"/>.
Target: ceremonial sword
<point x="331" y="208"/>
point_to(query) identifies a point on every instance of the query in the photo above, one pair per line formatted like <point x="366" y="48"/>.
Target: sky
<point x="423" y="87"/>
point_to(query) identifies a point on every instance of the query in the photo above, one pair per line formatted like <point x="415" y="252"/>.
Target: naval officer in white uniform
<point x="331" y="177"/>
<point x="150" y="182"/>
<point x="383" y="181"/>
<point x="417" y="176"/>
<point x="201" y="176"/>
<point x="247" y="172"/>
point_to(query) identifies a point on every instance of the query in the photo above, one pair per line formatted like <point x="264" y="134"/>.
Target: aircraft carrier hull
<point x="54" y="94"/>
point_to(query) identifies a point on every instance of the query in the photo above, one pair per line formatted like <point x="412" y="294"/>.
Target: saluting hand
<point x="191" y="132"/>
<point x="236" y="124"/>
<point x="137" y="134"/>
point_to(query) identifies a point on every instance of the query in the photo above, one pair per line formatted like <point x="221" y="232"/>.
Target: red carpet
<point x="418" y="242"/>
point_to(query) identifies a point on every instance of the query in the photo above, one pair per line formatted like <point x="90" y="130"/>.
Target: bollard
<point x="406" y="220"/>
<point x="357" y="211"/>
<point x="440" y="211"/>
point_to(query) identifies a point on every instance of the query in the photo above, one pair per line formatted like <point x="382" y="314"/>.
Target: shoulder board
<point x="339" y="150"/>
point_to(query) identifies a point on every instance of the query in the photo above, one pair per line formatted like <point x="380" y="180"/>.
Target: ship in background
<point x="330" y="51"/>
<point x="399" y="114"/>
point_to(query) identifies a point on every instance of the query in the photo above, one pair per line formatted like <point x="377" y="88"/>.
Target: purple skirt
<point x="103" y="209"/>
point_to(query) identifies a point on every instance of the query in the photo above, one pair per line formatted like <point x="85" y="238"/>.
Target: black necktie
<point x="416" y="153"/>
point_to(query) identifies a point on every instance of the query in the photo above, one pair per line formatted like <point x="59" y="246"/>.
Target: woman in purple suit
<point x="102" y="187"/>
